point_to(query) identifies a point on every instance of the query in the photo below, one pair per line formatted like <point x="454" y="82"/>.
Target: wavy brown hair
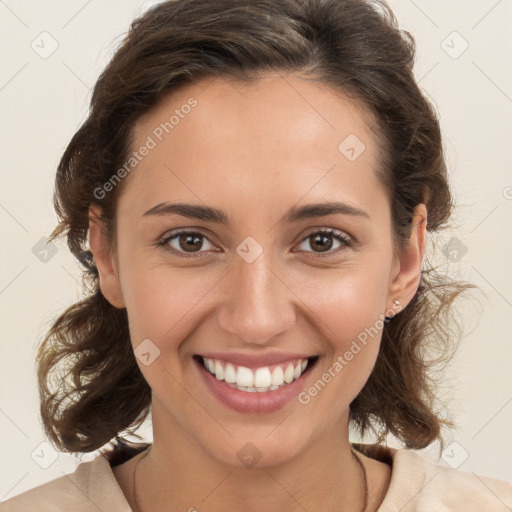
<point x="353" y="46"/>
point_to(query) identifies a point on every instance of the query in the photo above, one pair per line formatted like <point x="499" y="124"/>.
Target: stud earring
<point x="397" y="305"/>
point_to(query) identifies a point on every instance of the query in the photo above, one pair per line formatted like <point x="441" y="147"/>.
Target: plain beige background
<point x="52" y="54"/>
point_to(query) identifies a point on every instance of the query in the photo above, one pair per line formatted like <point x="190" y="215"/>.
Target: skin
<point x="255" y="151"/>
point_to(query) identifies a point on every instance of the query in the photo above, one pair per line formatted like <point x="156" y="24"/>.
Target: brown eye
<point x="184" y="242"/>
<point x="189" y="242"/>
<point x="323" y="241"/>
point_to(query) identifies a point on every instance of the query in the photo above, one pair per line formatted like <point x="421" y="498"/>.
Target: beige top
<point x="416" y="485"/>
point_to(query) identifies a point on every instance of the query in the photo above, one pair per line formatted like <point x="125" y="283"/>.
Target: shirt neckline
<point x="403" y="485"/>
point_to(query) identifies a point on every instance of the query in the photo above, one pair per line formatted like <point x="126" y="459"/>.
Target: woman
<point x="255" y="181"/>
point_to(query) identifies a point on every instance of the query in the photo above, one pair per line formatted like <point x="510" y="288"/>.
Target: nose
<point x="258" y="305"/>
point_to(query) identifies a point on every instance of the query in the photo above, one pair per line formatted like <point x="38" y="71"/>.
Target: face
<point x="264" y="281"/>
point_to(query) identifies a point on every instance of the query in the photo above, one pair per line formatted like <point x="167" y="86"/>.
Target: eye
<point x="188" y="243"/>
<point x="323" y="240"/>
<point x="185" y="243"/>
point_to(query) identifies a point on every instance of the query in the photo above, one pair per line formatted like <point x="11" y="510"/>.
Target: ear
<point x="104" y="259"/>
<point x="407" y="278"/>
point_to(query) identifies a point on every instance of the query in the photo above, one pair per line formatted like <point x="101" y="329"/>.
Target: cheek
<point x="349" y="313"/>
<point x="347" y="308"/>
<point x="165" y="306"/>
<point x="345" y="301"/>
<point x="164" y="303"/>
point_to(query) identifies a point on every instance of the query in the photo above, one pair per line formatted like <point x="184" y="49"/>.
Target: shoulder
<point x="91" y="487"/>
<point x="417" y="484"/>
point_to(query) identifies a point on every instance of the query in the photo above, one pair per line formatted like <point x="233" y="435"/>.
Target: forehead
<point x="280" y="137"/>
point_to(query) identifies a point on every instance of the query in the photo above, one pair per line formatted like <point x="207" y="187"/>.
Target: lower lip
<point x="256" y="402"/>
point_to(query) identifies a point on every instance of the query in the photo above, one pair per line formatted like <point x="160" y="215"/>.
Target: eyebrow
<point x="295" y="214"/>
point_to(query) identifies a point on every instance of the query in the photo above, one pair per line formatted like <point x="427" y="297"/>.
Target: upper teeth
<point x="257" y="379"/>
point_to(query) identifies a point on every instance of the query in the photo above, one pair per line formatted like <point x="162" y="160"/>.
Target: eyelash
<point x="338" y="235"/>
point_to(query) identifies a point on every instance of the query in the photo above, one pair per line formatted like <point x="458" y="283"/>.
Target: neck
<point x="177" y="470"/>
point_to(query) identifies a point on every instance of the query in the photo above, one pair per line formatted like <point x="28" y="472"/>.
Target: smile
<point x="257" y="390"/>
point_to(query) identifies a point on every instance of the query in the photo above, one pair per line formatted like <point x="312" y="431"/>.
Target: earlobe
<point x="406" y="282"/>
<point x="101" y="249"/>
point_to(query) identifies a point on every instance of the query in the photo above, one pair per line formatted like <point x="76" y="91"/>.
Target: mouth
<point x="258" y="389"/>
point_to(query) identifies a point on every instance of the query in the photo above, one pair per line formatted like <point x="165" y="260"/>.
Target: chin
<point x="260" y="449"/>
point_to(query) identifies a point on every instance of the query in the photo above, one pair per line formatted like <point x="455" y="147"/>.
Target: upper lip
<point x="255" y="361"/>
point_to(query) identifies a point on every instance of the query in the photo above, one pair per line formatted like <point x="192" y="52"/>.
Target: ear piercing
<point x="397" y="305"/>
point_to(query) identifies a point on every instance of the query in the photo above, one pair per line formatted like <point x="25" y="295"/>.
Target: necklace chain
<point x="137" y="508"/>
<point x="365" y="480"/>
<point x="361" y="465"/>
